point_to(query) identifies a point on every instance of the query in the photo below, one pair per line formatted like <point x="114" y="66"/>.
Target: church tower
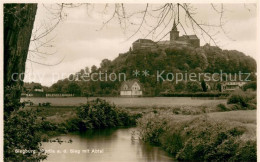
<point x="174" y="33"/>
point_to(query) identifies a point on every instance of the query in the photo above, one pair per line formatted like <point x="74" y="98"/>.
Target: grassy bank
<point x="220" y="136"/>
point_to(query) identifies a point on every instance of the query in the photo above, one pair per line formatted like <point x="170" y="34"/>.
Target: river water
<point x="108" y="145"/>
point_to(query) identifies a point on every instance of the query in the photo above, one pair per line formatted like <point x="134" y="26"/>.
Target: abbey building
<point x="175" y="40"/>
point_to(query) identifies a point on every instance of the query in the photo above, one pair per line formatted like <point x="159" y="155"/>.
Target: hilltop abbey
<point x="175" y="40"/>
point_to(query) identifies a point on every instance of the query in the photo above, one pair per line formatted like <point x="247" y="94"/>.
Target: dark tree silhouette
<point x="18" y="25"/>
<point x="204" y="86"/>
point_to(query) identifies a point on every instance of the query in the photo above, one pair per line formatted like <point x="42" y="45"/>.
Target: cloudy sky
<point x="81" y="39"/>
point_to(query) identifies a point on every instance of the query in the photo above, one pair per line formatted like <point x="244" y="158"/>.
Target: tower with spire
<point x="174" y="33"/>
<point x="175" y="41"/>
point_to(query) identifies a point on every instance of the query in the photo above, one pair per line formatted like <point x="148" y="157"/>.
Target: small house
<point x="131" y="88"/>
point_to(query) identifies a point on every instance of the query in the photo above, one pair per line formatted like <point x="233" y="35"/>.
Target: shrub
<point x="210" y="141"/>
<point x="250" y="85"/>
<point x="151" y="127"/>
<point x="193" y="87"/>
<point x="21" y="132"/>
<point x="101" y="114"/>
<point x="72" y="124"/>
<point x="246" y="151"/>
<point x="47" y="126"/>
<point x="241" y="98"/>
<point x="197" y="139"/>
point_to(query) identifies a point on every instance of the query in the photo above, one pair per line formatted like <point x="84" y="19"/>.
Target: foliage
<point x="11" y="103"/>
<point x="250" y="85"/>
<point x="244" y="99"/>
<point x="193" y="86"/>
<point x="101" y="114"/>
<point x="180" y="86"/>
<point x="151" y="127"/>
<point x="21" y="132"/>
<point x="197" y="138"/>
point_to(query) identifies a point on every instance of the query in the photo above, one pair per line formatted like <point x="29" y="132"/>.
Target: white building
<point x="38" y="90"/>
<point x="131" y="88"/>
<point x="231" y="86"/>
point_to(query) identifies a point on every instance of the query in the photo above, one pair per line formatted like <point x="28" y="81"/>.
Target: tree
<point x="193" y="86"/>
<point x="93" y="68"/>
<point x="180" y="87"/>
<point x="86" y="69"/>
<point x="204" y="86"/>
<point x="105" y="63"/>
<point x="18" y="25"/>
<point x="74" y="88"/>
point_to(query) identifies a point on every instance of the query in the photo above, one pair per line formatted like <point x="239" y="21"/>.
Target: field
<point x="62" y="109"/>
<point x="129" y="102"/>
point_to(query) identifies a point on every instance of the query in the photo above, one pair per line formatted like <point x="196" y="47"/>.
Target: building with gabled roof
<point x="131" y="88"/>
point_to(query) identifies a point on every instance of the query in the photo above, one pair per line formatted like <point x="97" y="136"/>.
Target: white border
<point x="121" y="1"/>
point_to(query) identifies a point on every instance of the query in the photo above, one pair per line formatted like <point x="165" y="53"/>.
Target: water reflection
<point x="112" y="145"/>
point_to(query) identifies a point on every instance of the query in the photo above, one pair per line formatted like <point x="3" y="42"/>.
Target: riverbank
<point x="220" y="136"/>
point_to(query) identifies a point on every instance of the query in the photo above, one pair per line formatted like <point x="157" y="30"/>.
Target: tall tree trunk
<point x="18" y="26"/>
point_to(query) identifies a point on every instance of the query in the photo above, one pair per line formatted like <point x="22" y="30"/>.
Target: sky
<point x="81" y="39"/>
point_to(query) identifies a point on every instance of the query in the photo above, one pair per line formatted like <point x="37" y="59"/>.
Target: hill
<point x="204" y="59"/>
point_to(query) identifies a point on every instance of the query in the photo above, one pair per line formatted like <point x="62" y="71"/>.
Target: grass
<point x="214" y="136"/>
<point x="244" y="118"/>
<point x="55" y="114"/>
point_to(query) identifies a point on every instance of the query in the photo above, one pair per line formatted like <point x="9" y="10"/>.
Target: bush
<point x="242" y="98"/>
<point x="21" y="132"/>
<point x="151" y="127"/>
<point x="210" y="141"/>
<point x="48" y="126"/>
<point x="250" y="85"/>
<point x="197" y="139"/>
<point x="193" y="87"/>
<point x="72" y="124"/>
<point x="101" y="114"/>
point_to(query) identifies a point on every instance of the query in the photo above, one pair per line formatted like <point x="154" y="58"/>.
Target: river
<point x="108" y="145"/>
